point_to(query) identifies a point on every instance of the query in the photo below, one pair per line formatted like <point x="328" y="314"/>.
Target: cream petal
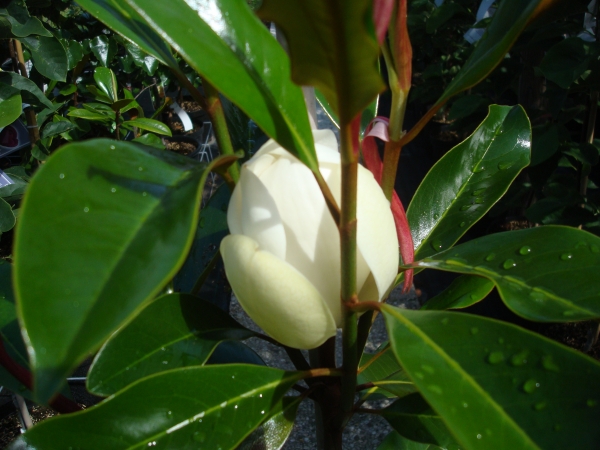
<point x="234" y="211"/>
<point x="260" y="218"/>
<point x="376" y="235"/>
<point x="312" y="238"/>
<point x="275" y="295"/>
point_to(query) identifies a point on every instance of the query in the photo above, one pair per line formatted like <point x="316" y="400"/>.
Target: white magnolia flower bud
<point x="283" y="255"/>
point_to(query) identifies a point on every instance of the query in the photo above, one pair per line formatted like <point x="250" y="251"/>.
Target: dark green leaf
<point x="21" y="23"/>
<point x="566" y="61"/>
<point x="509" y="20"/>
<point x="272" y="434"/>
<point x="103" y="226"/>
<point x="10" y="332"/>
<point x="98" y="94"/>
<point x="413" y="418"/>
<point x="104" y="49"/>
<point x="107" y="83"/>
<point x="466" y="182"/>
<point x="495" y="385"/>
<point x="382" y="369"/>
<point x="441" y="15"/>
<point x="225" y="42"/>
<point x="126" y="21"/>
<point x="81" y="113"/>
<point x="394" y="441"/>
<point x="56" y="128"/>
<point x="74" y="51"/>
<point x="547" y="274"/>
<point x="29" y="90"/>
<point x="339" y="55"/>
<point x="465" y="106"/>
<point x="464" y="291"/>
<point x="7" y="217"/>
<point x="10" y="109"/>
<point x="544" y="143"/>
<point x="14" y="191"/>
<point x="161" y="411"/>
<point x="151" y="140"/>
<point x="176" y="330"/>
<point x="49" y="56"/>
<point x="212" y="228"/>
<point x="68" y="89"/>
<point x="124" y="105"/>
<point x="235" y="352"/>
<point x="152" y="125"/>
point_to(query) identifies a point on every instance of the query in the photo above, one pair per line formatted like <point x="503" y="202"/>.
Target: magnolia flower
<point x="283" y="255"/>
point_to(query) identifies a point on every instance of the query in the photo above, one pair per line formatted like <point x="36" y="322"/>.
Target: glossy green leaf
<point x="176" y="330"/>
<point x="104" y="49"/>
<point x="124" y="105"/>
<point x="29" y="91"/>
<point x="160" y="411"/>
<point x="74" y="51"/>
<point x="546" y="274"/>
<point x="152" y="125"/>
<point x="107" y="82"/>
<point x="464" y="291"/>
<point x="383" y="371"/>
<point x="466" y="182"/>
<point x="272" y="434"/>
<point x="103" y="226"/>
<point x="81" y="113"/>
<point x="509" y="20"/>
<point x="7" y="216"/>
<point x="56" y="128"/>
<point x="151" y="140"/>
<point x="227" y="44"/>
<point x="49" y="56"/>
<point x="21" y="23"/>
<point x="10" y="109"/>
<point x="495" y="385"/>
<point x="413" y="418"/>
<point x="339" y="55"/>
<point x="394" y="441"/>
<point x="126" y="21"/>
<point x="212" y="228"/>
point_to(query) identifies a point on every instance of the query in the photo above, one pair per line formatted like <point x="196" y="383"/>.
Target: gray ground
<point x="365" y="431"/>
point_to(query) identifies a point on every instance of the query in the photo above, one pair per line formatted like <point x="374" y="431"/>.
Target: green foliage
<point x="496" y="385"/>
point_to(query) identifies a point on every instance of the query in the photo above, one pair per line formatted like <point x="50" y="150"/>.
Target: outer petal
<point x="275" y="295"/>
<point x="312" y="238"/>
<point x="376" y="235"/>
<point x="260" y="218"/>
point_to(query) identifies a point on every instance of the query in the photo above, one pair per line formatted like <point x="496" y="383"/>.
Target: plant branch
<point x="348" y="227"/>
<point x="16" y="51"/>
<point x="214" y="108"/>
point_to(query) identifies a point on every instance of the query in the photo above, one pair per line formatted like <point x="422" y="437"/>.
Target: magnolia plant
<point x="317" y="241"/>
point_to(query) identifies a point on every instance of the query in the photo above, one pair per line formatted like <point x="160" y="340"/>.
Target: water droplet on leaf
<point x="479" y="168"/>
<point x="435" y="388"/>
<point x="495" y="357"/>
<point x="61" y="176"/>
<point x="430" y="370"/>
<point x="540" y="405"/>
<point x="594" y="248"/>
<point x="465" y="207"/>
<point x="462" y="224"/>
<point x="479" y="200"/>
<point x="566" y="256"/>
<point x="474" y="330"/>
<point x="490" y="257"/>
<point x="530" y="386"/>
<point x="591" y="403"/>
<point x="509" y="264"/>
<point x="505" y="165"/>
<point x="86" y="209"/>
<point x="549" y="364"/>
<point x="436" y="244"/>
<point x="519" y="359"/>
<point x="113" y="190"/>
<point x="525" y="250"/>
<point x="477" y="192"/>
<point x="199" y="436"/>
